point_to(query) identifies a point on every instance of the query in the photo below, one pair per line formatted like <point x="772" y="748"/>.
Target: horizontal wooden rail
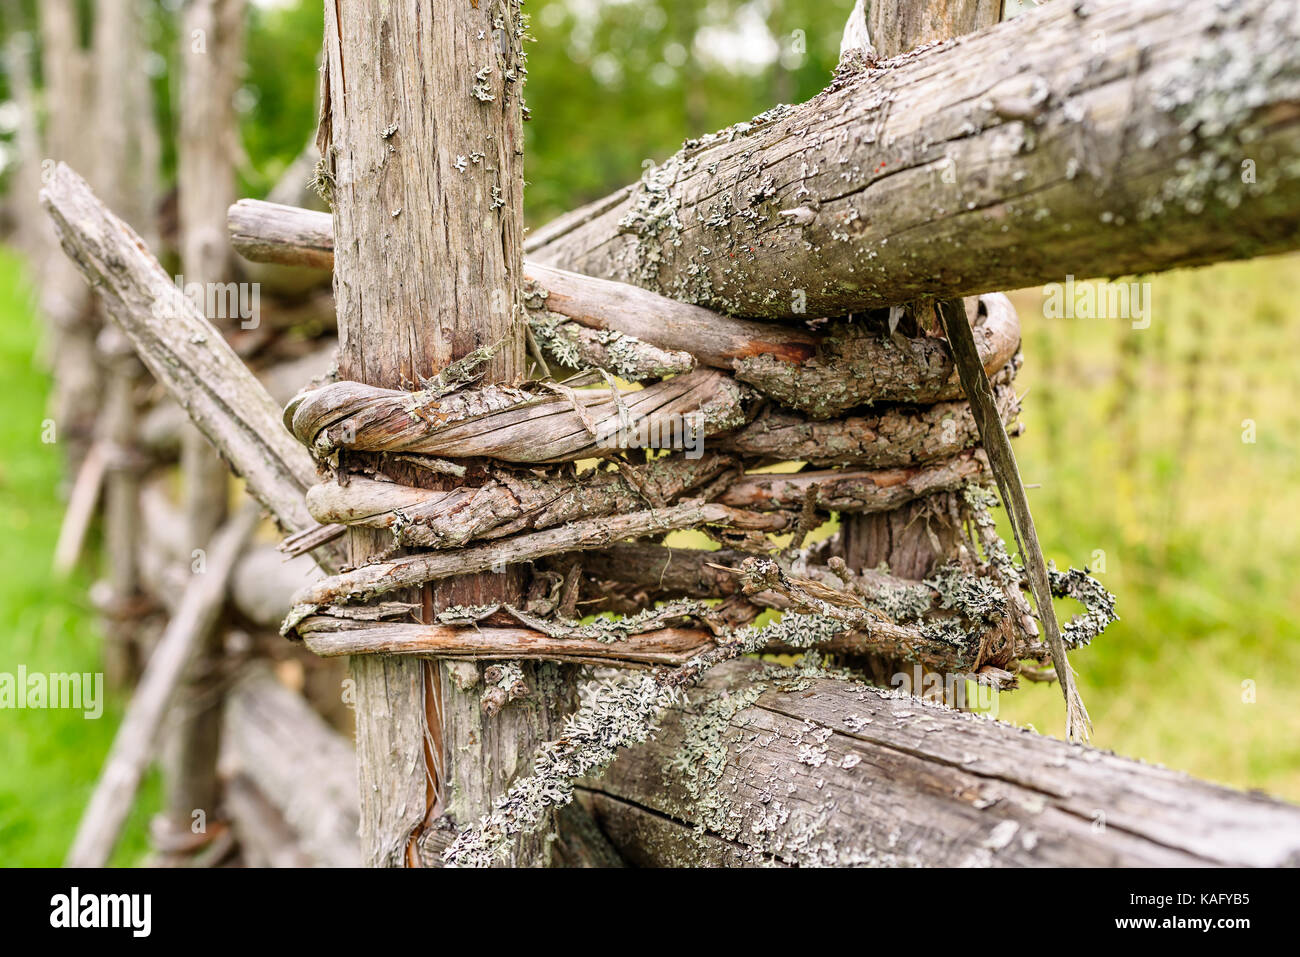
<point x="1114" y="137"/>
<point x="852" y="775"/>
<point x="848" y="365"/>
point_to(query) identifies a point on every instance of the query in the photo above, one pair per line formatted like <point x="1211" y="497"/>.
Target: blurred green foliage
<point x="1169" y="460"/>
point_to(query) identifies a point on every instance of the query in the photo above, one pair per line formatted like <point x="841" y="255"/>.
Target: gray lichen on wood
<point x="1193" y="89"/>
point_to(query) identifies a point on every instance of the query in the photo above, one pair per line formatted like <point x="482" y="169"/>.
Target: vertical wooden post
<point x="917" y="537"/>
<point x="904" y="24"/>
<point x="32" y="230"/>
<point x="421" y="137"/>
<point x="65" y="297"/>
<point x="211" y="56"/>
<point x="117" y="173"/>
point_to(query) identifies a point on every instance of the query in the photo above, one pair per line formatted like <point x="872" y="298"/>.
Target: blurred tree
<point x="614" y="84"/>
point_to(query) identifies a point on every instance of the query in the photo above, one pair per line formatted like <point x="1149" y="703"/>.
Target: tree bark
<point x="428" y="270"/>
<point x="850" y="775"/>
<point x="977" y="165"/>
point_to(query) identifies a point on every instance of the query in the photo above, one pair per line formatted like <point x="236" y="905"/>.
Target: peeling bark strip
<point x="515" y="502"/>
<point x="976" y="165"/>
<point x="853" y="775"/>
<point x="510" y="502"/>
<point x="894" y="436"/>
<point x="184" y="352"/>
<point x="668" y="646"/>
<point x="855" y="365"/>
<point x="844" y="491"/>
<point x="850" y="365"/>
<point x="382" y="577"/>
<point x="512" y="424"/>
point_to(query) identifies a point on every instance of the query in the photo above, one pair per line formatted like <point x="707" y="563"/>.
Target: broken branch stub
<point x="184" y="352"/>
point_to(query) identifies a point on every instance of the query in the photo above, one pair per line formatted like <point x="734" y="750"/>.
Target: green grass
<point x="1137" y="438"/>
<point x="49" y="759"/>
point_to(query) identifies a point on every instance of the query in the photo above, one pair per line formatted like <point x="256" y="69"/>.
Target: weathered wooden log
<point x="977" y="165"/>
<point x="508" y="502"/>
<point x="714" y="339"/>
<point x="518" y="426"/>
<point x="853" y="491"/>
<point x="268" y="233"/>
<point x="851" y="365"/>
<point x="382" y="577"/>
<point x="847" y="774"/>
<point x="161" y="427"/>
<point x="286" y="235"/>
<point x="304" y="768"/>
<point x="133" y="745"/>
<point x="265" y="837"/>
<point x="890" y="436"/>
<point x="184" y="352"/>
<point x="667" y="646"/>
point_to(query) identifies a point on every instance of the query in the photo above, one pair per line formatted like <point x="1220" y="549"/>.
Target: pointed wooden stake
<point x="952" y="312"/>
